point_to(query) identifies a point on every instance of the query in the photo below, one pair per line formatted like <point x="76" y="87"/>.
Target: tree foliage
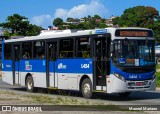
<point x="6" y="33"/>
<point x="19" y="25"/>
<point x="73" y="23"/>
<point x="97" y="17"/>
<point x="102" y="25"/>
<point x="156" y="28"/>
<point x="57" y="22"/>
<point x="139" y="16"/>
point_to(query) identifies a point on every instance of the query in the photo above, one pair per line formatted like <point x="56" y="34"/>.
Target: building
<point x="2" y="32"/>
<point x="109" y="21"/>
<point x="82" y="20"/>
<point x="98" y="20"/>
<point x="53" y="28"/>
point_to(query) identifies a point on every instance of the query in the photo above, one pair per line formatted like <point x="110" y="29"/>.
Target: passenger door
<point x="101" y="61"/>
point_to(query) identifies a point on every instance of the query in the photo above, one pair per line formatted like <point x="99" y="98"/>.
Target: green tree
<point x="92" y="24"/>
<point x="6" y="33"/>
<point x="62" y="27"/>
<point x="156" y="29"/>
<point x="69" y="19"/>
<point x="19" y="25"/>
<point x="72" y="26"/>
<point x="97" y="17"/>
<point x="33" y="30"/>
<point x="102" y="25"/>
<point x="139" y="16"/>
<point x="15" y="23"/>
<point x="116" y="20"/>
<point x="57" y="22"/>
<point x="89" y="17"/>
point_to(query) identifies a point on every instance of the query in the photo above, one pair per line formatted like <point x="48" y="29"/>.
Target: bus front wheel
<point x="86" y="88"/>
<point x="30" y="84"/>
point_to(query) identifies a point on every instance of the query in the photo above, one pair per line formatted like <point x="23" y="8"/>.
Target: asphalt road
<point x="136" y="98"/>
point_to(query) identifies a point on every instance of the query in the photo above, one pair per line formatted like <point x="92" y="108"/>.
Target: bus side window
<point x="66" y="48"/>
<point x="7" y="51"/>
<point x="83" y="47"/>
<point x="27" y="50"/>
<point x="39" y="50"/>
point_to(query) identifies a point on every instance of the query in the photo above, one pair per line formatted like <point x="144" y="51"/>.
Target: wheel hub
<point x="29" y="84"/>
<point x="86" y="88"/>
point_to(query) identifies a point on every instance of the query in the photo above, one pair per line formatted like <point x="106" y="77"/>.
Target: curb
<point x="157" y="88"/>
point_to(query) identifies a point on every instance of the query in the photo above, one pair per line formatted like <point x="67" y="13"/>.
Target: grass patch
<point x="9" y="99"/>
<point x="66" y="101"/>
<point x="158" y="79"/>
<point x="158" y="67"/>
<point x="40" y="99"/>
<point x="158" y="76"/>
<point x="7" y="93"/>
<point x="58" y="100"/>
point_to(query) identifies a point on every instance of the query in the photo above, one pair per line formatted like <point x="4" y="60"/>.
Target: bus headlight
<point x="119" y="76"/>
<point x="154" y="76"/>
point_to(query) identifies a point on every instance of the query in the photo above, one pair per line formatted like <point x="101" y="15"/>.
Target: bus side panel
<point x="7" y="74"/>
<point x="70" y="72"/>
<point x="52" y="75"/>
<point x="37" y="68"/>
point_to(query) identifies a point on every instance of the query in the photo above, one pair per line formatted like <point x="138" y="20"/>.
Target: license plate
<point x="139" y="83"/>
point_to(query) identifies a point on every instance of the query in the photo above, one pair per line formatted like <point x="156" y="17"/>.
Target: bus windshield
<point x="133" y="52"/>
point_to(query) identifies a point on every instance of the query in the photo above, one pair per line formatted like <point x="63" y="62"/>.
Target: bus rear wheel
<point x="86" y="88"/>
<point x="30" y="84"/>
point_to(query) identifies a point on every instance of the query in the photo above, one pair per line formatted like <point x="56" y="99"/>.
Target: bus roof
<point x="49" y="34"/>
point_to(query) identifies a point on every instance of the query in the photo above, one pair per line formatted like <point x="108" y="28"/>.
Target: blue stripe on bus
<point x="6" y="65"/>
<point x="33" y="65"/>
<point x="61" y="66"/>
<point x="132" y="76"/>
<point x="74" y="66"/>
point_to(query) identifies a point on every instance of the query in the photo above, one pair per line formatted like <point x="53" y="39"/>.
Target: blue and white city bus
<point x="111" y="60"/>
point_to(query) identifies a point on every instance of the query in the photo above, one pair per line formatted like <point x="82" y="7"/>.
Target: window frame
<point x="11" y="56"/>
<point x="31" y="50"/>
<point x="77" y="40"/>
<point x="60" y="47"/>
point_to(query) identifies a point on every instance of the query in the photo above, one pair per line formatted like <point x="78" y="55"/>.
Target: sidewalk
<point x="157" y="88"/>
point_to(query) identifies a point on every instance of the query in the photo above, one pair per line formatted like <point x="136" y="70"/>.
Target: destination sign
<point x="133" y="33"/>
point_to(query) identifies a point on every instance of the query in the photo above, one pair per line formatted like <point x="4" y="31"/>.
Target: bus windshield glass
<point x="133" y="52"/>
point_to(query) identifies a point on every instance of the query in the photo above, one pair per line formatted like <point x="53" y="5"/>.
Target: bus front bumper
<point x="115" y="85"/>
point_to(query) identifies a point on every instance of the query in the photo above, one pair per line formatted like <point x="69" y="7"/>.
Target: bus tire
<point x="125" y="94"/>
<point x="30" y="84"/>
<point x="86" y="88"/>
